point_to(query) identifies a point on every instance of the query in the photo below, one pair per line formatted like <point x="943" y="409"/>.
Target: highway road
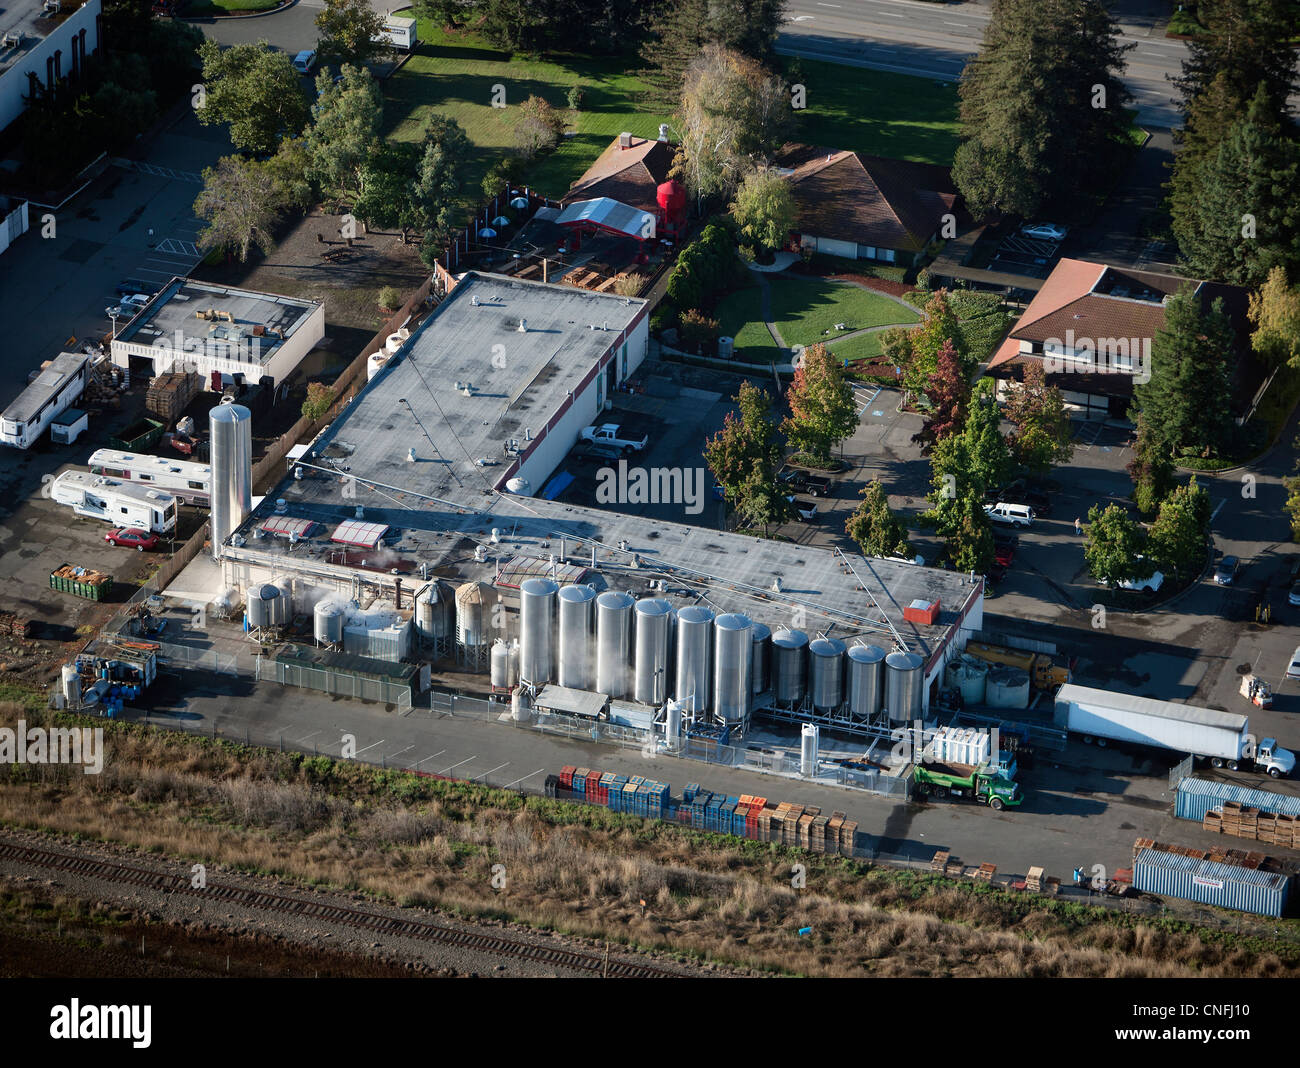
<point x="935" y="41"/>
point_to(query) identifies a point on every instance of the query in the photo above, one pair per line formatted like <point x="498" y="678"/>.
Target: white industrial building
<point x="413" y="509"/>
<point x="193" y="326"/>
<point x="42" y="43"/>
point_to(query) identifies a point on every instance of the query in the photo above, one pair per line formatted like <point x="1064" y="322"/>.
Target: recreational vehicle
<point x="120" y="503"/>
<point x="52" y="390"/>
<point x="188" y="482"/>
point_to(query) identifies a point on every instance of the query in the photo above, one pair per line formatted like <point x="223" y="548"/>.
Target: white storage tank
<point x="71" y="686"/>
<point x="231" y="451"/>
<point x="521" y="707"/>
<point x="826" y="674"/>
<point x="673" y="724"/>
<point x="653" y="630"/>
<point x="575" y="666"/>
<point x="263" y="605"/>
<point x="694" y="657"/>
<point x="537" y="598"/>
<point x="1007" y="687"/>
<point x="732" y="657"/>
<point x="904" y="685"/>
<point x="613" y="643"/>
<point x="375" y="363"/>
<point x="327" y="622"/>
<point x="808" y="742"/>
<point x="475" y="602"/>
<point x="500" y="666"/>
<point x="968" y="675"/>
<point x="789" y="666"/>
<point x="866" y="667"/>
<point x="760" y="659"/>
<point x="434" y="615"/>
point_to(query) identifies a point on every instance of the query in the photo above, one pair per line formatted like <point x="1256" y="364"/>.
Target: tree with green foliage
<point x="1041" y="435"/>
<point x="501" y="177"/>
<point x="1178" y="540"/>
<point x="351" y="31"/>
<point x="875" y="527"/>
<point x="764" y="209"/>
<point x="704" y="269"/>
<point x="444" y="14"/>
<point x="941" y="327"/>
<point x="241" y="203"/>
<point x="288" y="169"/>
<point x="387" y="196"/>
<point x="1187" y="402"/>
<point x="744" y="456"/>
<point x="1151" y="468"/>
<point x="255" y="91"/>
<point x="734" y="114"/>
<point x="969" y="536"/>
<point x="948" y="392"/>
<point x="319" y="398"/>
<point x="822" y="410"/>
<point x="1114" y="546"/>
<point x="989" y="457"/>
<point x="344" y="133"/>
<point x="1043" y="117"/>
<point x="965" y="466"/>
<point x="1292" y="486"/>
<point x="1275" y="315"/>
<point x="539" y="129"/>
<point x="441" y="176"/>
<point x="1234" y="213"/>
<point x="680" y="30"/>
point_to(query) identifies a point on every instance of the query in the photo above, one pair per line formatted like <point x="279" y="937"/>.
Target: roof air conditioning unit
<point x="12" y="39"/>
<point x="52" y="7"/>
<point x="469" y="389"/>
<point x="663" y="131"/>
<point x="625" y="140"/>
<point x="473" y="301"/>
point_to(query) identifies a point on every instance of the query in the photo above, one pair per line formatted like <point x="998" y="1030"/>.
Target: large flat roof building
<point x="42" y="43"/>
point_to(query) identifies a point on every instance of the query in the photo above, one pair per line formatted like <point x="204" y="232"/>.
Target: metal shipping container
<point x="1196" y="797"/>
<point x="1225" y="885"/>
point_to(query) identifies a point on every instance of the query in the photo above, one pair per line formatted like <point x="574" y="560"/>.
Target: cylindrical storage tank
<point x="760" y="658"/>
<point x="1007" y="687"/>
<point x="537" y="631"/>
<point x="71" y="685"/>
<point x="694" y="654"/>
<point x="231" y="428"/>
<point x="575" y="666"/>
<point x="903" y="686"/>
<point x="969" y="676"/>
<point x="327" y="622"/>
<point x="375" y="364"/>
<point x="433" y="613"/>
<point x="732" y="663"/>
<point x="474" y="604"/>
<point x="866" y="666"/>
<point x="283" y="612"/>
<point x="653" y="629"/>
<point x="262" y="607"/>
<point x="826" y="673"/>
<point x="808" y="740"/>
<point x="673" y="724"/>
<point x="521" y="708"/>
<point x="499" y="665"/>
<point x="789" y="666"/>
<point x="613" y="643"/>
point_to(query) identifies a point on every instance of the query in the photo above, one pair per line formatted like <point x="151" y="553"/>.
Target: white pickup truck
<point x="612" y="434"/>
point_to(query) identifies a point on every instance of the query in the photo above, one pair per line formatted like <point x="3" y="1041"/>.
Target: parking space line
<point x="380" y="742"/>
<point x="485" y="774"/>
<point x="429" y="757"/>
<point x="539" y="771"/>
<point x="454" y="766"/>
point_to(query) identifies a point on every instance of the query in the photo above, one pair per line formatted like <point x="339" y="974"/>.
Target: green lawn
<point x="197" y="8"/>
<point x="862" y="347"/>
<point x="878" y="113"/>
<point x="739" y="316"/>
<point x="868" y="111"/>
<point x="456" y="74"/>
<point x="806" y="310"/>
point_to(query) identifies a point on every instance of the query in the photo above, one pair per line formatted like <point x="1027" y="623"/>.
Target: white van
<point x="304" y="61"/>
<point x="1018" y="515"/>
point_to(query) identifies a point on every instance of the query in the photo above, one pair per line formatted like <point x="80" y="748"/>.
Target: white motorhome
<point x="116" y="502"/>
<point x="188" y="482"/>
<point x="53" y="389"/>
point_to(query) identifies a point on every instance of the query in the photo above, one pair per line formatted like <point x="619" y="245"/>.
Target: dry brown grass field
<point x="585" y="871"/>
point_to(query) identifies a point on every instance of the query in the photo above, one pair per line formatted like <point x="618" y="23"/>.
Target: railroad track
<point x="492" y="944"/>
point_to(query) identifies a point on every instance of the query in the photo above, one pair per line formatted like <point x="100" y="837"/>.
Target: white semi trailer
<point x="1222" y="738"/>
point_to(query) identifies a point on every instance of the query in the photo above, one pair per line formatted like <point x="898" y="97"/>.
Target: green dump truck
<point x="984" y="784"/>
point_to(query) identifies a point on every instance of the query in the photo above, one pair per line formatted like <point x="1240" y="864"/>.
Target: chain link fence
<point x="334" y="681"/>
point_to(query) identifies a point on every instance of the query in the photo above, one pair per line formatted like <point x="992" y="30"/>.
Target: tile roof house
<point x="630" y="171"/>
<point x="1092" y="326"/>
<point x="866" y="207"/>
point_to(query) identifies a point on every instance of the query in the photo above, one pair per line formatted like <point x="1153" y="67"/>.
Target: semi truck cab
<point x="1271" y="757"/>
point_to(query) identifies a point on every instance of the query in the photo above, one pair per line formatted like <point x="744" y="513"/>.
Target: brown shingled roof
<point x="628" y="175"/>
<point x="870" y="200"/>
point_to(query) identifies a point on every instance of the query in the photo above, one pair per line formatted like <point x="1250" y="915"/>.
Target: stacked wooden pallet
<point x="984" y="873"/>
<point x="817" y="833"/>
<point x="954" y="867"/>
<point x="1270" y="827"/>
<point x="15" y="626"/>
<point x="940" y="860"/>
<point x="1034" y="880"/>
<point x="848" y="837"/>
<point x="170" y="394"/>
<point x="1212" y="822"/>
<point x="805" y="829"/>
<point x="1239" y="820"/>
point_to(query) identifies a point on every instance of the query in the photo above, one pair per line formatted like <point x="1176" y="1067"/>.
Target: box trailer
<point x="116" y="502"/>
<point x="1222" y="738"/>
<point x="66" y="428"/>
<point x="52" y="390"/>
<point x="399" y="33"/>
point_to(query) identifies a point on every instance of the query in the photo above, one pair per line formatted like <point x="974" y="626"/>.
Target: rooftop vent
<point x="468" y="389"/>
<point x="663" y="131"/>
<point x="474" y="301"/>
<point x="523" y="326"/>
<point x="410" y="456"/>
<point x="625" y="140"/>
<point x="776" y="584"/>
<point x="12" y="39"/>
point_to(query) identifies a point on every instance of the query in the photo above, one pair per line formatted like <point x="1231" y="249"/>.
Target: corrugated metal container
<point x="1225" y="885"/>
<point x="1196" y="797"/>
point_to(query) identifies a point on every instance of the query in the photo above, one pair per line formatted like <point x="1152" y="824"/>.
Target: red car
<point x="132" y="538"/>
<point x="1004" y="555"/>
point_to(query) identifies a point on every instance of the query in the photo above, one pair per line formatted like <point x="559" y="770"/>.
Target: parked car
<point x="1226" y="571"/>
<point x="1293" y="668"/>
<point x="1045" y="231"/>
<point x="806" y="482"/>
<point x="1016" y="515"/>
<point x="131" y="286"/>
<point x="1147" y="585"/>
<point x="805" y="509"/>
<point x="599" y="453"/>
<point x="1004" y="554"/>
<point x="1294" y="596"/>
<point x="612" y="434"/>
<point x="132" y="538"/>
<point x="305" y="61"/>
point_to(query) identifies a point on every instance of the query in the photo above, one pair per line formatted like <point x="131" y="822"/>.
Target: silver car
<point x="1293" y="668"/>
